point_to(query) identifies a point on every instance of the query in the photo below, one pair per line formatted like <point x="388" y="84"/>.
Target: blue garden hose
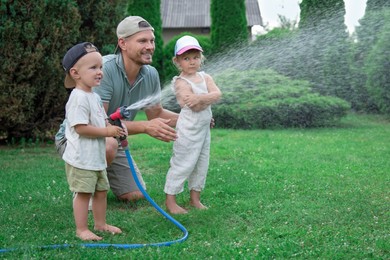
<point x="124" y="246"/>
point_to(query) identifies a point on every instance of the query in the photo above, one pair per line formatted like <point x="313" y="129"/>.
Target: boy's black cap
<point x="72" y="56"/>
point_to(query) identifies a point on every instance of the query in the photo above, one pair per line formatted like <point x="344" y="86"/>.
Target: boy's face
<point x="139" y="48"/>
<point x="87" y="72"/>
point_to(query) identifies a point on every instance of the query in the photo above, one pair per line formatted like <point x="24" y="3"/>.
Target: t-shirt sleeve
<point x="78" y="111"/>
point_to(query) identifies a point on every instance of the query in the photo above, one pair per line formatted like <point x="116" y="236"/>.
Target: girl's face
<point x="190" y="61"/>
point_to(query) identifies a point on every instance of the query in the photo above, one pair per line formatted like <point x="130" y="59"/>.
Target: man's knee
<point x="111" y="149"/>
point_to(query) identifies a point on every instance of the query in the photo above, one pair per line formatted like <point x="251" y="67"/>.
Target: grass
<point x="314" y="193"/>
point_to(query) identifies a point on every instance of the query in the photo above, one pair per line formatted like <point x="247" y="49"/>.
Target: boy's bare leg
<point x="195" y="200"/>
<point x="80" y="211"/>
<point x="172" y="206"/>
<point x="99" y="208"/>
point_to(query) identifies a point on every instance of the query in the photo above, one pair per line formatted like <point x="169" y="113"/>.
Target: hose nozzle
<point x="115" y="119"/>
<point x="121" y="113"/>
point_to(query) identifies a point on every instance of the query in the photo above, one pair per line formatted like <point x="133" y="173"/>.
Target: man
<point x="129" y="78"/>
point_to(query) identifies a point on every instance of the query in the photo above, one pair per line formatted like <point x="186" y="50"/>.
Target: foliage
<point x="372" y="5"/>
<point x="329" y="47"/>
<point x="258" y="99"/>
<point x="99" y="19"/>
<point x="228" y="24"/>
<point x="34" y="35"/>
<point x="264" y="99"/>
<point x="371" y="27"/>
<point x="150" y="11"/>
<point x="169" y="68"/>
<point x="378" y="67"/>
<point x="316" y="13"/>
<point x="319" y="51"/>
<point x="273" y="35"/>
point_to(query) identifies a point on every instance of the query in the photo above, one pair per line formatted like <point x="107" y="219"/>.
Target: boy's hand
<point x="115" y="131"/>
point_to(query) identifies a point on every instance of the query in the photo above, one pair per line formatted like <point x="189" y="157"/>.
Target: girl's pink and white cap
<point x="186" y="43"/>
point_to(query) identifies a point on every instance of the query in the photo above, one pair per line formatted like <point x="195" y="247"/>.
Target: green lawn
<point x="296" y="193"/>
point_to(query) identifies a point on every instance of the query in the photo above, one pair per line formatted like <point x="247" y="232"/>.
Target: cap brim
<point x="69" y="82"/>
<point x="187" y="48"/>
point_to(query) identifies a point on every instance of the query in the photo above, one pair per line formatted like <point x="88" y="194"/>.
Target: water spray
<point x="115" y="118"/>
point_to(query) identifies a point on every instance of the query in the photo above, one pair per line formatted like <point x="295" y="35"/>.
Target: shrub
<point x="34" y="35"/>
<point x="99" y="19"/>
<point x="264" y="99"/>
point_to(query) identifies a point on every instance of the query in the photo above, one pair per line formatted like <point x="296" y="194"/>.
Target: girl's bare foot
<point x="108" y="228"/>
<point x="195" y="200"/>
<point x="198" y="205"/>
<point x="172" y="206"/>
<point x="176" y="209"/>
<point x="87" y="235"/>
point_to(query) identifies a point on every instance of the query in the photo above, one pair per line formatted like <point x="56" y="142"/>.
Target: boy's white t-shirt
<point x="84" y="152"/>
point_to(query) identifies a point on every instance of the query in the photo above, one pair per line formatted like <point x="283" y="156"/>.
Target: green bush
<point x="264" y="99"/>
<point x="34" y="35"/>
<point x="258" y="99"/>
<point x="99" y="19"/>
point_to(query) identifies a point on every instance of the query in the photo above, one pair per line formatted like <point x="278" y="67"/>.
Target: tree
<point x="150" y="11"/>
<point x="376" y="5"/>
<point x="377" y="68"/>
<point x="326" y="62"/>
<point x="228" y="24"/>
<point x="371" y="26"/>
<point x="99" y="21"/>
<point x="317" y="13"/>
<point x="34" y="35"/>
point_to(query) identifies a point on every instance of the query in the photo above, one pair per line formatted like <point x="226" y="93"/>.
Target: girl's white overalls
<point x="191" y="150"/>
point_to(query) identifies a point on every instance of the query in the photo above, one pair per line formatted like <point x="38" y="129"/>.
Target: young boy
<point x="86" y="129"/>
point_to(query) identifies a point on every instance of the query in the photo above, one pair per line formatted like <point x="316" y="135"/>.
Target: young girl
<point x="85" y="131"/>
<point x="195" y="92"/>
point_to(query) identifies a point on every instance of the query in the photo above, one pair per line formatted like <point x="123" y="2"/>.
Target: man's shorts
<point x="86" y="181"/>
<point x="120" y="176"/>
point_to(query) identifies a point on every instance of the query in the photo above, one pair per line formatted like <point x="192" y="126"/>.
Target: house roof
<point x="196" y="13"/>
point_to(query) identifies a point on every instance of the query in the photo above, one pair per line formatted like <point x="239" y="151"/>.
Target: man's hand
<point x="124" y="128"/>
<point x="159" y="128"/>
